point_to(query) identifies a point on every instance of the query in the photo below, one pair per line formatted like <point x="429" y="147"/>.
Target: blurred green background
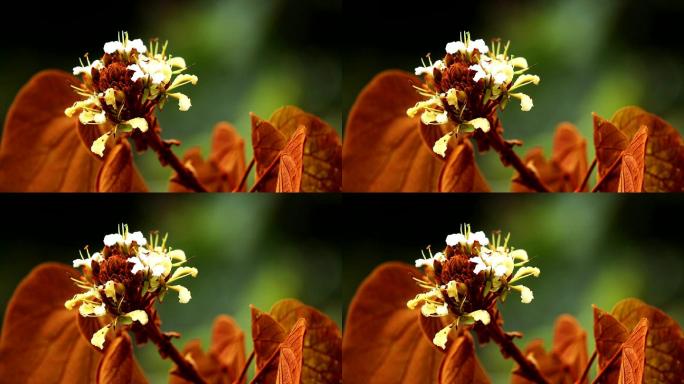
<point x="590" y="249"/>
<point x="255" y="249"/>
<point x="592" y="56"/>
<point x="249" y="55"/>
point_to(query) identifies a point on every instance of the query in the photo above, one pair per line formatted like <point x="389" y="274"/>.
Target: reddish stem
<point x="243" y="179"/>
<point x="166" y="156"/>
<point x="509" y="157"/>
<point x="265" y="366"/>
<point x="586" y="177"/>
<point x="509" y="349"/>
<point x="608" y="364"/>
<point x="167" y="349"/>
<point x="605" y="175"/>
<point x="244" y="369"/>
<point x="586" y="369"/>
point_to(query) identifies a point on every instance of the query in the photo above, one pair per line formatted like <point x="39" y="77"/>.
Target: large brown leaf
<point x="566" y="169"/>
<point x="322" y="162"/>
<point x="223" y="169"/>
<point x="322" y="359"/>
<point x="664" y="164"/>
<point x="664" y="342"/>
<point x="567" y="359"/>
<point x="384" y="150"/>
<point x="224" y="361"/>
<point x="290" y="163"/>
<point x="383" y="341"/>
<point x="291" y="352"/>
<point x="460" y="173"/>
<point x="41" y="148"/>
<point x="41" y="341"/>
<point x="118" y="172"/>
<point x="633" y="163"/>
<point x="460" y="365"/>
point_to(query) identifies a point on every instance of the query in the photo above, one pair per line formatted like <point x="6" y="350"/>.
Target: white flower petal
<point x="456" y="238"/>
<point x="98" y="338"/>
<point x="176" y="254"/>
<point x="440" y="147"/>
<point x="442" y="336"/>
<point x="112" y="239"/>
<point x="183" y="293"/>
<point x="481" y="316"/>
<point x="138" y="315"/>
<point x="455" y="46"/>
<point x="113" y="46"/>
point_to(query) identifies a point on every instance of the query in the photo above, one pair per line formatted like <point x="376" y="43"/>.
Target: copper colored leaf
<point x="664" y="342"/>
<point x="117" y="365"/>
<point x="633" y="159"/>
<point x="322" y="161"/>
<point x="633" y="355"/>
<point x="460" y="365"/>
<point x="223" y="169"/>
<point x="664" y="163"/>
<point x="118" y="173"/>
<point x="322" y="358"/>
<point x="223" y="362"/>
<point x="267" y="334"/>
<point x="567" y="359"/>
<point x="290" y="165"/>
<point x="41" y="148"/>
<point x="460" y="173"/>
<point x="566" y="169"/>
<point x="383" y="341"/>
<point x="609" y="334"/>
<point x="41" y="341"/>
<point x="291" y="351"/>
<point x="570" y="345"/>
<point x="384" y="150"/>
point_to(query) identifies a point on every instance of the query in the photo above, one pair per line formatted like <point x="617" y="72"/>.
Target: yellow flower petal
<point x="442" y="336"/>
<point x="183" y="293"/>
<point x="98" y="338"/>
<point x="480" y="123"/>
<point x="176" y="254"/>
<point x="110" y="97"/>
<point x="442" y="144"/>
<point x="138" y="315"/>
<point x="480" y="315"/>
<point x="110" y="290"/>
<point x="98" y="145"/>
<point x="139" y="123"/>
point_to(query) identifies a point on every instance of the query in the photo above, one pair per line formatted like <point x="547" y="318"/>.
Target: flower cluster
<point x="465" y="281"/>
<point x="466" y="87"/>
<point x="122" y="281"/>
<point x="123" y="87"/>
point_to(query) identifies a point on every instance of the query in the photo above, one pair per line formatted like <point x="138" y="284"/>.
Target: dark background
<point x="592" y="56"/>
<point x="591" y="249"/>
<point x="249" y="56"/>
<point x="254" y="249"/>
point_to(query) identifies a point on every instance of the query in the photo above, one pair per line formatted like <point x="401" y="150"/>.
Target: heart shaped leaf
<point x="322" y="358"/>
<point x="664" y="159"/>
<point x="322" y="161"/>
<point x="42" y="150"/>
<point x="384" y="150"/>
<point x="383" y="340"/>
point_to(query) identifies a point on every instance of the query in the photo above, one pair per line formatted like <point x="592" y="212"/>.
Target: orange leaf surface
<point x="223" y="362"/>
<point x="117" y="365"/>
<point x="383" y="341"/>
<point x="460" y="365"/>
<point x="290" y="165"/>
<point x="291" y="351"/>
<point x="322" y="161"/>
<point x="460" y="173"/>
<point x="609" y="334"/>
<point x="267" y="335"/>
<point x="633" y="163"/>
<point x="664" y="163"/>
<point x="384" y="150"/>
<point x="633" y="355"/>
<point x="664" y="342"/>
<point x="322" y="357"/>
<point x="41" y="340"/>
<point x="42" y="150"/>
<point x="567" y="167"/>
<point x="223" y="169"/>
<point x="567" y="359"/>
<point x="118" y="172"/>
